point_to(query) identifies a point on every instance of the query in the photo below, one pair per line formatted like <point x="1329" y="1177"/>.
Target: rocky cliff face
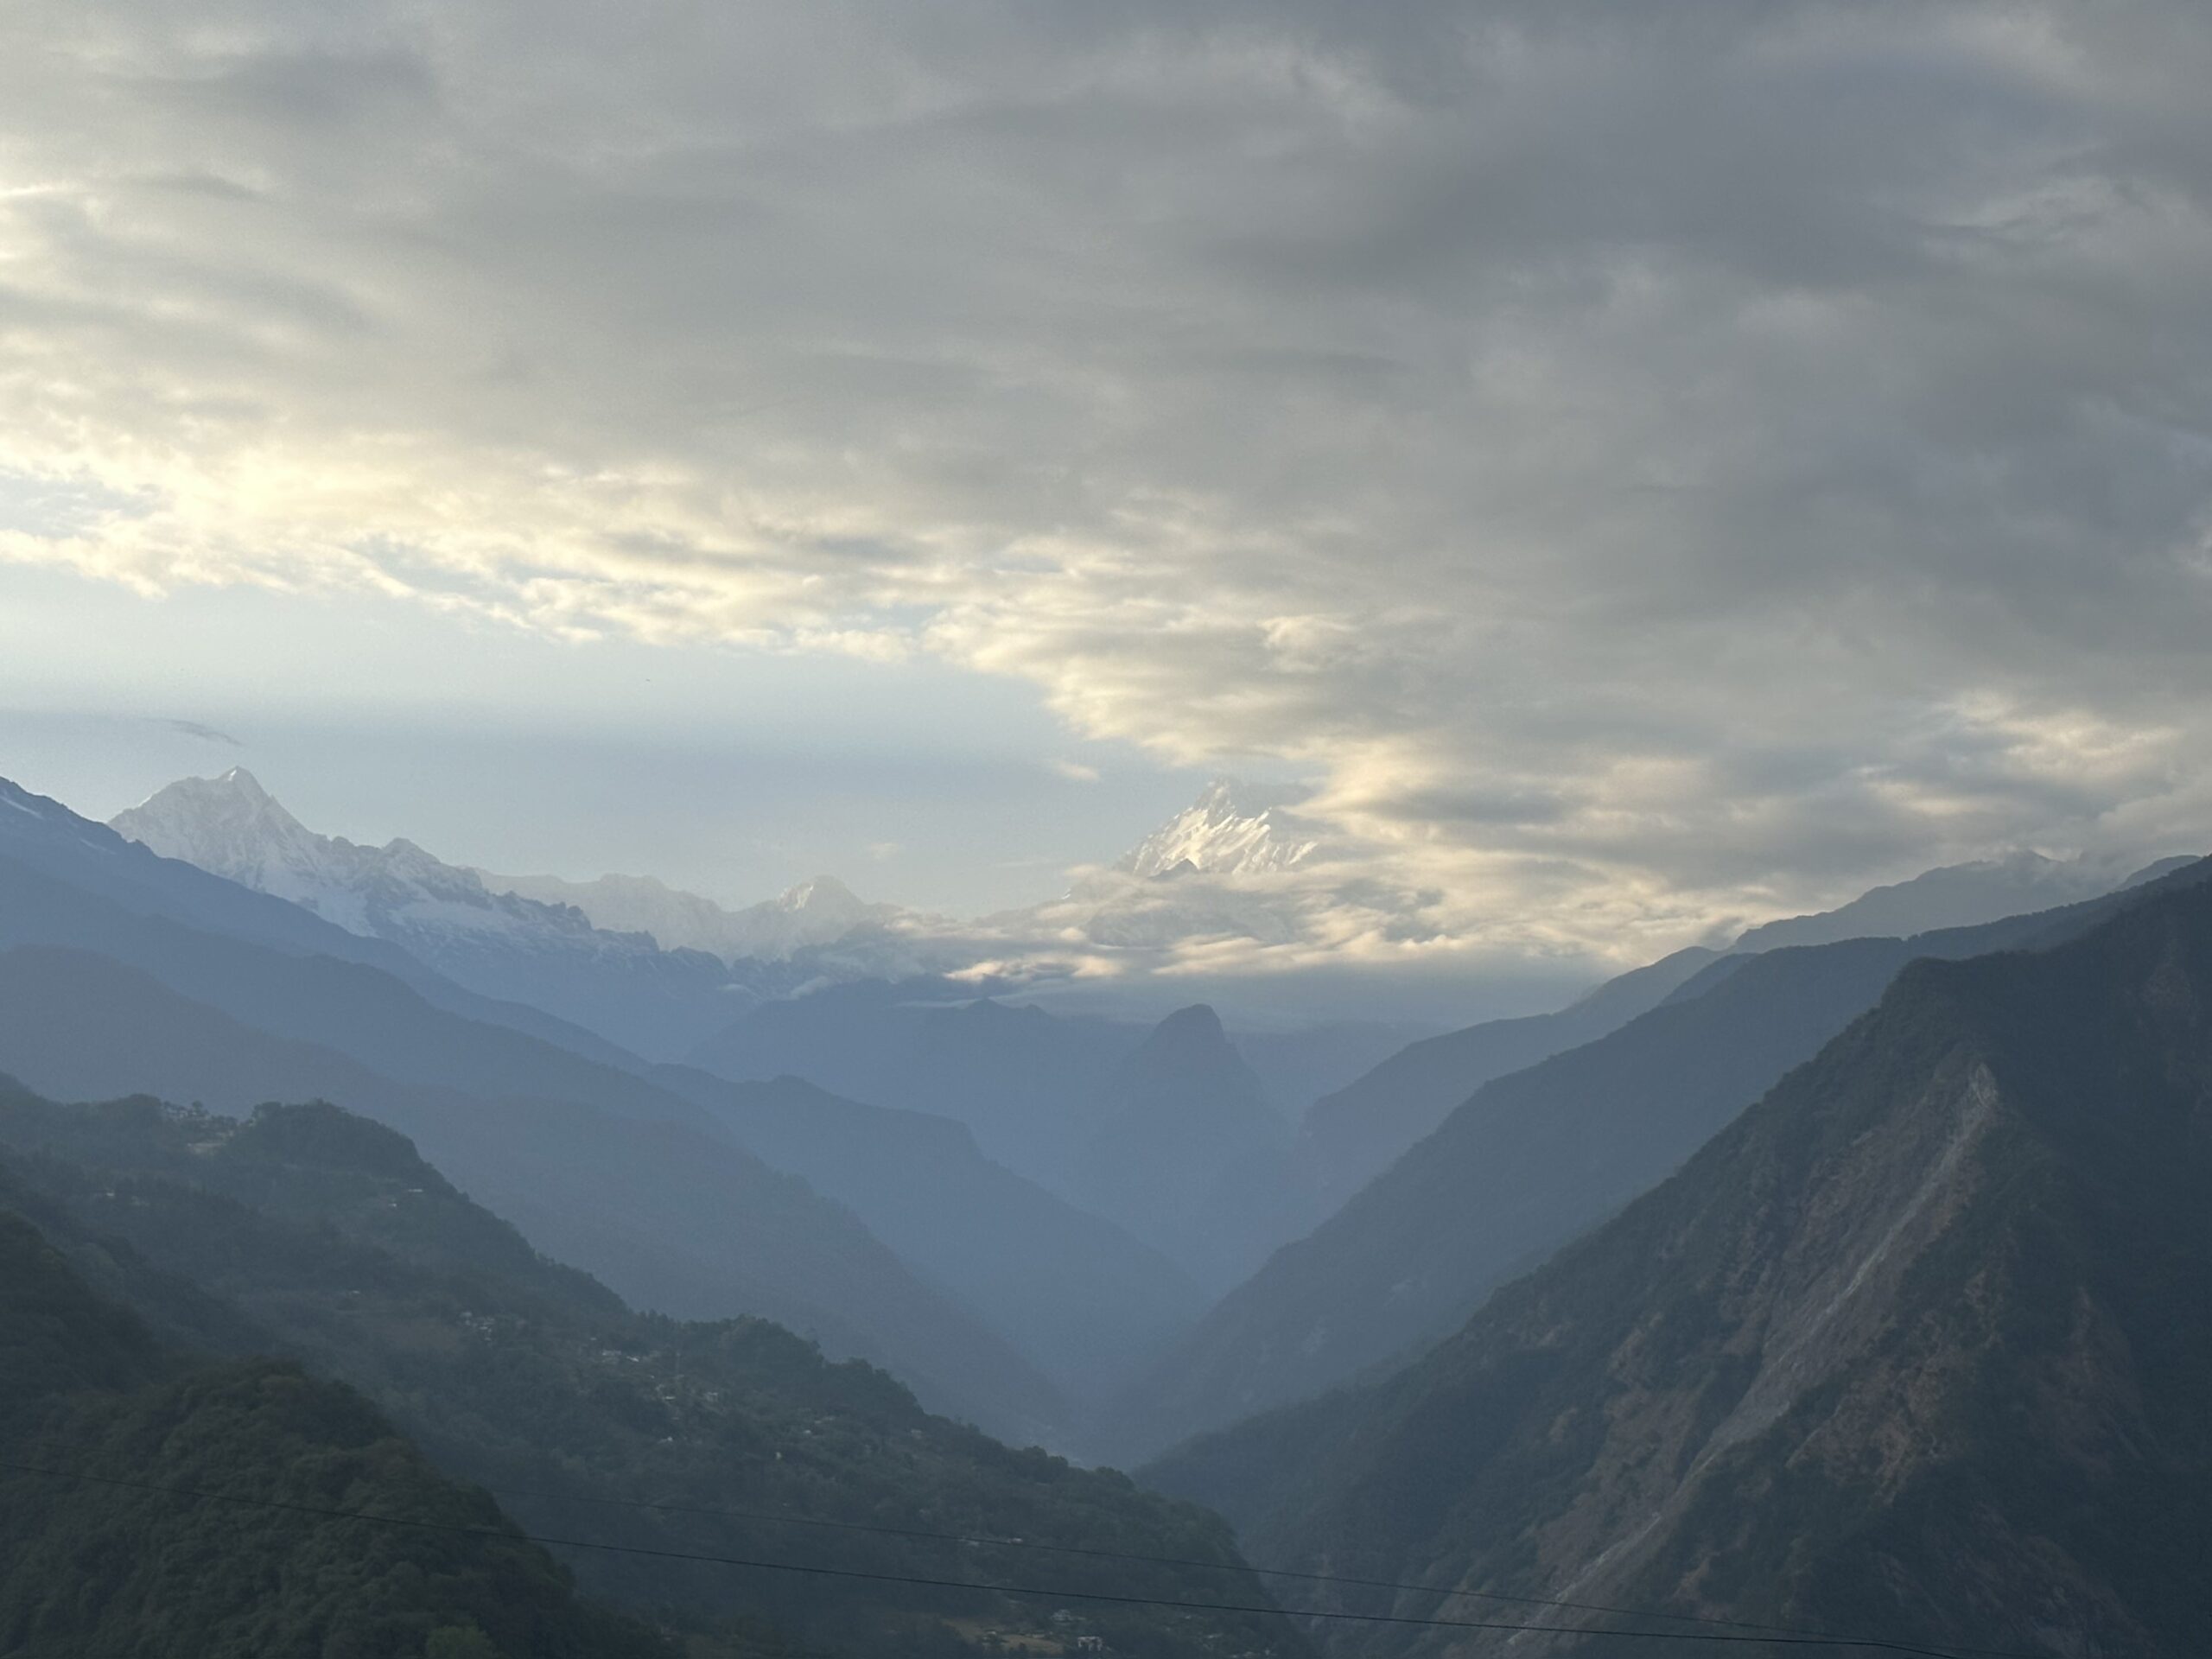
<point x="1917" y="1348"/>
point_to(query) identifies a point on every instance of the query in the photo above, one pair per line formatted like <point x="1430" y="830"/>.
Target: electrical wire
<point x="509" y="1534"/>
<point x="987" y="1541"/>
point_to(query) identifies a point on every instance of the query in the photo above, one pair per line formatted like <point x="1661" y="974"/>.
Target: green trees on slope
<point x="90" y="1568"/>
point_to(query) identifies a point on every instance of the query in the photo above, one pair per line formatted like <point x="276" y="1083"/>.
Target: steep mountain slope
<point x="674" y="1217"/>
<point x="1530" y="1160"/>
<point x="1917" y="1347"/>
<point x="623" y="986"/>
<point x="1185" y="1151"/>
<point x="354" y="1255"/>
<point x="42" y="837"/>
<point x="88" y="1569"/>
<point x="1352" y="1136"/>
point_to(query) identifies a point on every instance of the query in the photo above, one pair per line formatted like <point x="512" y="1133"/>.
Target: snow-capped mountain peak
<point x="620" y="983"/>
<point x="1232" y="829"/>
<point x="233" y="827"/>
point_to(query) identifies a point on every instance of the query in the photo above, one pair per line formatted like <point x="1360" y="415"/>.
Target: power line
<point x="986" y="1541"/>
<point x="511" y="1535"/>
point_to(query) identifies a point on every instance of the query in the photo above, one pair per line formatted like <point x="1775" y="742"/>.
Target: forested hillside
<point x="325" y="1237"/>
<point x="152" y="1503"/>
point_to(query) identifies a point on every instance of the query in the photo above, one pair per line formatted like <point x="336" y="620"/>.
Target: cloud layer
<point x="1653" y="466"/>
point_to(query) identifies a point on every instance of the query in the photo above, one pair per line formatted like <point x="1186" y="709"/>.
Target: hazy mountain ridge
<point x="670" y="1214"/>
<point x="820" y="911"/>
<point x="1090" y="1109"/>
<point x="1916" y="1347"/>
<point x="1349" y="1137"/>
<point x="1962" y="895"/>
<point x="1081" y="1297"/>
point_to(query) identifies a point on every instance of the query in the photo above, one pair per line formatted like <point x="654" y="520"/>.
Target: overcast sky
<point x="1647" y="464"/>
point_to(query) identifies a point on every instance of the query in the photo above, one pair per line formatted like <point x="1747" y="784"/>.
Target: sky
<point x="1646" y="468"/>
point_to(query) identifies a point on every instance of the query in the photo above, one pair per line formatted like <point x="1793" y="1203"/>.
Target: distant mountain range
<point x="1916" y="1350"/>
<point x="822" y="912"/>
<point x="657" y="968"/>
<point x="134" y="972"/>
<point x="621" y="985"/>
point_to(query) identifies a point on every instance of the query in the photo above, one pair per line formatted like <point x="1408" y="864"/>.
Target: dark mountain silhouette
<point x="1916" y="1348"/>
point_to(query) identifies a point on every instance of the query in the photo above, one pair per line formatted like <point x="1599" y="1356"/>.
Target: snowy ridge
<point x="232" y="827"/>
<point x="818" y="912"/>
<point x="1230" y="829"/>
<point x="621" y="985"/>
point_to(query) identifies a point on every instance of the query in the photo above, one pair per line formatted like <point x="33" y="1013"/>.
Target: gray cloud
<point x="1652" y="464"/>
<point x="205" y="734"/>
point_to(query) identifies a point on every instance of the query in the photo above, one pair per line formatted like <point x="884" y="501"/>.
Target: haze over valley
<point x="911" y="832"/>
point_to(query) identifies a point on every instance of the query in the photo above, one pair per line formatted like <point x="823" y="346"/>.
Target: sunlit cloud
<point x="1649" y="468"/>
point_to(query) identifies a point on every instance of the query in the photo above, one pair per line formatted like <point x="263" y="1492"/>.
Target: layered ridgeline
<point x="1166" y="1130"/>
<point x="1917" y="1348"/>
<point x="622" y="985"/>
<point x="109" y="1552"/>
<point x="1530" y="1160"/>
<point x="814" y="913"/>
<point x="1352" y="1136"/>
<point x="618" y="1172"/>
<point x="309" y="1231"/>
<point x="1074" y="1292"/>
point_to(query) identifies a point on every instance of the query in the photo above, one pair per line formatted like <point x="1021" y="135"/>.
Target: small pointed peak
<point x="242" y="781"/>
